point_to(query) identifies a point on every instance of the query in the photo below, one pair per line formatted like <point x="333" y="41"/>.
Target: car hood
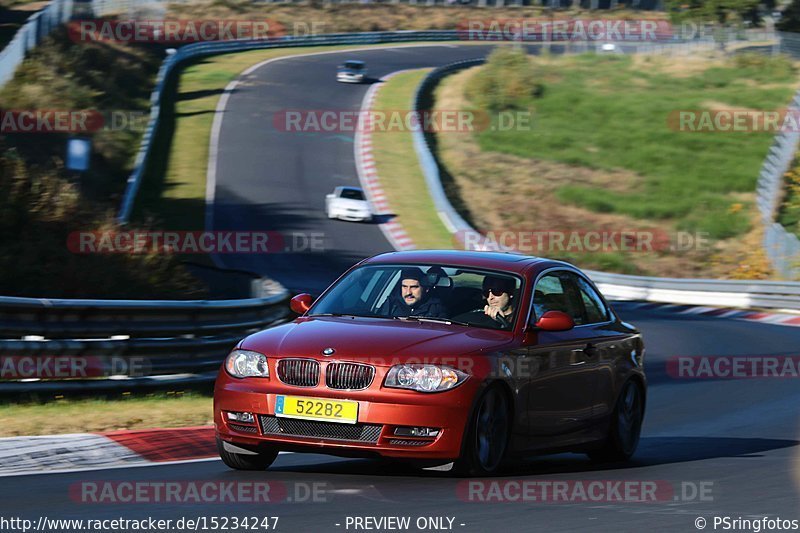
<point x="374" y="339"/>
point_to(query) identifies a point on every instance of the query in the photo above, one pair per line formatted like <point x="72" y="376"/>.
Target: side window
<point x="549" y="295"/>
<point x="595" y="308"/>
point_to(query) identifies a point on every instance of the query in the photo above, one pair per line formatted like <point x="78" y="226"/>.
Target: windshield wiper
<point x="342" y="315"/>
<point x="434" y="319"/>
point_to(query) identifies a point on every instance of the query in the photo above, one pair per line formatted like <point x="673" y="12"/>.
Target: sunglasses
<point x="493" y="290"/>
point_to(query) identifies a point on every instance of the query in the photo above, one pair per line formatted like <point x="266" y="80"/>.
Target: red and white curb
<point x="368" y="173"/>
<point x="80" y="452"/>
<point x="778" y="319"/>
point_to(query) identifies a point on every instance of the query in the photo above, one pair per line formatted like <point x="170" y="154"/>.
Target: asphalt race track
<point x="723" y="447"/>
<point x="735" y="439"/>
<point x="267" y="179"/>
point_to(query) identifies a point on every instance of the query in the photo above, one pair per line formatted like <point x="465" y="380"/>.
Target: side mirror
<point x="555" y="321"/>
<point x="301" y="303"/>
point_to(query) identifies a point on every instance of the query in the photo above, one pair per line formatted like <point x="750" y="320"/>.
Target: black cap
<point x="503" y="284"/>
<point x="414" y="273"/>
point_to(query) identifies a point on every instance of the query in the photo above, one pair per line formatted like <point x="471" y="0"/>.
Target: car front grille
<point x="273" y="425"/>
<point x="299" y="372"/>
<point x="243" y="429"/>
<point x="349" y="376"/>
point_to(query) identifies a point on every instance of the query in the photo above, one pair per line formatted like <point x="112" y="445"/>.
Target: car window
<point x="352" y="194"/>
<point x="354" y="66"/>
<point x="557" y="292"/>
<point x="596" y="310"/>
<point x="459" y="294"/>
<point x="549" y="295"/>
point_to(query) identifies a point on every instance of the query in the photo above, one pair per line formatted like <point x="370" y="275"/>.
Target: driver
<point x="499" y="298"/>
<point x="414" y="298"/>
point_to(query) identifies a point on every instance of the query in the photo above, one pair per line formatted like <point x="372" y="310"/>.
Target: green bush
<point x="38" y="212"/>
<point x="507" y="82"/>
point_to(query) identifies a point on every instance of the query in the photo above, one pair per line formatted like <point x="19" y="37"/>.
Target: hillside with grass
<point x="601" y="152"/>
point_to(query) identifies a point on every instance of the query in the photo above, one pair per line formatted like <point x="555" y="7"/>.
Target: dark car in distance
<point x="474" y="358"/>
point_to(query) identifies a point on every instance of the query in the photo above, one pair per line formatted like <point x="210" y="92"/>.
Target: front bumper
<point x="350" y="79"/>
<point x="352" y="216"/>
<point x="380" y="412"/>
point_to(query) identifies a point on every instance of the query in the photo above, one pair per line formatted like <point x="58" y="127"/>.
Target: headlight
<point x="424" y="378"/>
<point x="246" y="364"/>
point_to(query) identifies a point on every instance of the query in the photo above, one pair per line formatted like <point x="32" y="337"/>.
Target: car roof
<point x="505" y="261"/>
<point x="353" y="61"/>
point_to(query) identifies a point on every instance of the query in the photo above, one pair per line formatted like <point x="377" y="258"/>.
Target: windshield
<point x="352" y="194"/>
<point x="472" y="297"/>
<point x="353" y="66"/>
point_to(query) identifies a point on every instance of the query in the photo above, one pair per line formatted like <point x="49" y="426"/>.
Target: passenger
<point x="499" y="308"/>
<point x="413" y="299"/>
<point x="499" y="294"/>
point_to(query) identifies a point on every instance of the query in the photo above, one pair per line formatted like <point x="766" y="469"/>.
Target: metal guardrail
<point x="108" y="344"/>
<point x="729" y="293"/>
<point x="36" y="28"/>
<point x="781" y="246"/>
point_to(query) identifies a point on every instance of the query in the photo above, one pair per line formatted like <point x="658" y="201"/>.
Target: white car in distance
<point x="348" y="203"/>
<point x="352" y="71"/>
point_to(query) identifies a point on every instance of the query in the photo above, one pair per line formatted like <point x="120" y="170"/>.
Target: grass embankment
<point x="95" y="415"/>
<point x="398" y="168"/>
<point x="334" y="18"/>
<point x="789" y="214"/>
<point x="601" y="155"/>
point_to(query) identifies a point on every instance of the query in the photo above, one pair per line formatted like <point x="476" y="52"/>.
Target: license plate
<point x="345" y="412"/>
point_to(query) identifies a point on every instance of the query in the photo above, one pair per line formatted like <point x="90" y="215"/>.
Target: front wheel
<point x="625" y="427"/>
<point x="487" y="436"/>
<point x="240" y="461"/>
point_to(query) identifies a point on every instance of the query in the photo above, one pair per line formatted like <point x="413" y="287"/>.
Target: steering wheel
<point x="504" y="323"/>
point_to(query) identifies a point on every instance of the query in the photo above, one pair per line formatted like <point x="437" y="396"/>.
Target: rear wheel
<point x="486" y="440"/>
<point x="625" y="427"/>
<point x="241" y="461"/>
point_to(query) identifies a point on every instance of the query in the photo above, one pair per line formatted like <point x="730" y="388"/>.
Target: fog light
<point x="416" y="432"/>
<point x="241" y="417"/>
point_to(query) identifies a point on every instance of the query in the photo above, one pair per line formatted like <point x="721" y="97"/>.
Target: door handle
<point x="590" y="350"/>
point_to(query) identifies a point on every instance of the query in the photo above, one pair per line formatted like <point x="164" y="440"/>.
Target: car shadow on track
<point x="652" y="451"/>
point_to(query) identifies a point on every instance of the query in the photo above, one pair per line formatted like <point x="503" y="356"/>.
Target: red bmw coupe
<point x="438" y="357"/>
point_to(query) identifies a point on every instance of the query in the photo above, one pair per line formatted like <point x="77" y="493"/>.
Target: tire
<point x="239" y="461"/>
<point x="487" y="437"/>
<point x="625" y="427"/>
